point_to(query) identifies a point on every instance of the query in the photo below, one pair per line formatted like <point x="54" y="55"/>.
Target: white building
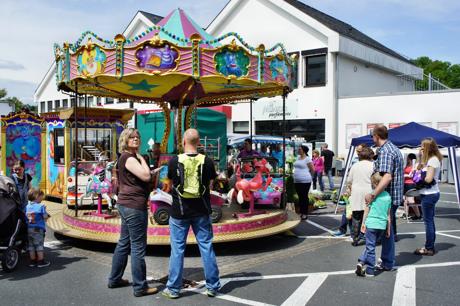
<point x="49" y="98"/>
<point x="347" y="81"/>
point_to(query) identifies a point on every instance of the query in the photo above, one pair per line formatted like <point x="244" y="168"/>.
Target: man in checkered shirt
<point x="390" y="164"/>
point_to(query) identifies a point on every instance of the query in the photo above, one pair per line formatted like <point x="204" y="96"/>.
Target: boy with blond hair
<point x="36" y="228"/>
<point x="376" y="221"/>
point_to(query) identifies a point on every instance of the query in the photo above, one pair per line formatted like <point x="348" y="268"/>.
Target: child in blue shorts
<point x="36" y="227"/>
<point x="376" y="221"/>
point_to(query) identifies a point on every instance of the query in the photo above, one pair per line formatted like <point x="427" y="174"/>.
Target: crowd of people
<point x="376" y="186"/>
<point x="376" y="190"/>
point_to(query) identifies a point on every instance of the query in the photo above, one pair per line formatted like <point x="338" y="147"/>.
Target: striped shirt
<point x="390" y="160"/>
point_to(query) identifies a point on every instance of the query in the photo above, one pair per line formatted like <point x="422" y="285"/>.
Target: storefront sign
<point x="273" y="110"/>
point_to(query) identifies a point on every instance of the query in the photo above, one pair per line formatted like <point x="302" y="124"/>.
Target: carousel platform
<point x="87" y="227"/>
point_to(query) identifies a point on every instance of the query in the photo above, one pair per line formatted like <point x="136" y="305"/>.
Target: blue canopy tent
<point x="411" y="135"/>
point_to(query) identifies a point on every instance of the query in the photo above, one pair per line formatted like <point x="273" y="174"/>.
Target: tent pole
<point x="345" y="173"/>
<point x="454" y="166"/>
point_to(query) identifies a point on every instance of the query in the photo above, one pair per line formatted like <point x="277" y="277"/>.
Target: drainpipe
<point x="336" y="104"/>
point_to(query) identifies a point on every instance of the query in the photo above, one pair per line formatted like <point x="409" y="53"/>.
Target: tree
<point x="18" y="105"/>
<point x="445" y="72"/>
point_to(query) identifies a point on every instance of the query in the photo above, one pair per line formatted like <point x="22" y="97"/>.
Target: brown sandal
<point x="423" y="251"/>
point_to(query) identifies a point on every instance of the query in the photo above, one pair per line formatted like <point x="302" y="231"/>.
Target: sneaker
<point x="32" y="263"/>
<point x="211" y="293"/>
<point x="146" y="291"/>
<point x="43" y="263"/>
<point x="338" y="234"/>
<point x="360" y="270"/>
<point x="118" y="284"/>
<point x="169" y="294"/>
<point x="380" y="267"/>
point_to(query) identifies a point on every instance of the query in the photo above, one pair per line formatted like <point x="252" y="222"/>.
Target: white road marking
<point x="450" y="202"/>
<point x="447" y="235"/>
<point x="320" y="226"/>
<point x="306" y="290"/>
<point x="447" y="215"/>
<point x="53" y="244"/>
<point x="448" y="193"/>
<point x="437" y="232"/>
<point x="227" y="297"/>
<point x="322" y="237"/>
<point x="327" y="215"/>
<point x="404" y="288"/>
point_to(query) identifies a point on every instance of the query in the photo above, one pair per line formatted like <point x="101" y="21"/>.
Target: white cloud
<point x="10" y="65"/>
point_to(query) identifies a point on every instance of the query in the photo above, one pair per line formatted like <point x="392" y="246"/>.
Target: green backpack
<point x="190" y="172"/>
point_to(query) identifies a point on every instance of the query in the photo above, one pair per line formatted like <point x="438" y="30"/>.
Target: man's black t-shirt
<point x="328" y="157"/>
<point x="191" y="207"/>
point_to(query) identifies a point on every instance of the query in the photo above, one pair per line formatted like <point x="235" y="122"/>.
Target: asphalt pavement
<point x="307" y="266"/>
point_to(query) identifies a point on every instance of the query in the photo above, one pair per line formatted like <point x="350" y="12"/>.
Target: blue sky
<point x="29" y="28"/>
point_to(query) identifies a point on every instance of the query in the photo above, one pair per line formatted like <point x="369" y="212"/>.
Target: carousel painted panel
<point x="23" y="142"/>
<point x="55" y="168"/>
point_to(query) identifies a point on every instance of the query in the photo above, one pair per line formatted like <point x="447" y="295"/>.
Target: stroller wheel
<point x="10" y="259"/>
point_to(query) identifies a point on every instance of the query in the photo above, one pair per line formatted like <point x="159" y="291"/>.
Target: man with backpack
<point x="191" y="174"/>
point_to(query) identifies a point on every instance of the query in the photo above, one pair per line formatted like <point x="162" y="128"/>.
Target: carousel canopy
<point x="175" y="61"/>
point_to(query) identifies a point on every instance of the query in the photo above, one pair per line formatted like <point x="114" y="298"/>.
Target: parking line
<point x="447" y="235"/>
<point x="306" y="290"/>
<point x="320" y="226"/>
<point x="404" y="288"/>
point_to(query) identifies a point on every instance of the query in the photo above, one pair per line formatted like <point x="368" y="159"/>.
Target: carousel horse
<point x="245" y="188"/>
<point x="99" y="183"/>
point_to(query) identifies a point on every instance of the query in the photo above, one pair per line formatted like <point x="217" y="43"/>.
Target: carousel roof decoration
<point x="177" y="62"/>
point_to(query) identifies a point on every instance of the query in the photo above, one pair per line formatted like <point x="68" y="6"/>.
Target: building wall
<point x="359" y="78"/>
<point x="440" y="110"/>
<point x="5" y="108"/>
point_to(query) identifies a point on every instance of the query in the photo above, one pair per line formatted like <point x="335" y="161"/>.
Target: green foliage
<point x="18" y="105"/>
<point x="445" y="72"/>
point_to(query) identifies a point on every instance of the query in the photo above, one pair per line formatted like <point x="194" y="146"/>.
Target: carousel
<point x="180" y="68"/>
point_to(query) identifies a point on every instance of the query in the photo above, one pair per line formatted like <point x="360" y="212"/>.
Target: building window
<point x="108" y="100"/>
<point x="42" y="107"/>
<point x="72" y="102"/>
<point x="57" y="104"/>
<point x="50" y="106"/>
<point x="81" y="101"/>
<point x="90" y="101"/>
<point x="65" y="103"/>
<point x="241" y="127"/>
<point x="315" y="70"/>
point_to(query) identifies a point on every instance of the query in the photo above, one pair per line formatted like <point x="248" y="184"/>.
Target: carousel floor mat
<point x="89" y="227"/>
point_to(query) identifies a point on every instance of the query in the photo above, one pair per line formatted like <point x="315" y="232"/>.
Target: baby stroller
<point x="13" y="226"/>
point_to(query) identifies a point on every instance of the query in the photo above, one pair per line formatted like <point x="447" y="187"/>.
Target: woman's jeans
<point x="202" y="228"/>
<point x="302" y="190"/>
<point x="428" y="206"/>
<point x="318" y="176"/>
<point x="133" y="238"/>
